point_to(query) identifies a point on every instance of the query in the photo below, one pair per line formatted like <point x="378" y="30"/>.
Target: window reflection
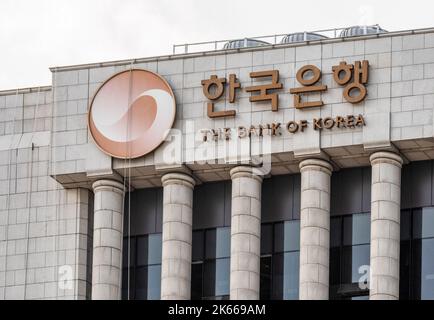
<point x="427" y="269"/>
<point x="349" y="256"/>
<point x="417" y="254"/>
<point x="143" y="272"/>
<point x="211" y="264"/>
<point x="280" y="246"/>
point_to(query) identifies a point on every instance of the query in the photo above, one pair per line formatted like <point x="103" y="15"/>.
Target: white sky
<point x="38" y="34"/>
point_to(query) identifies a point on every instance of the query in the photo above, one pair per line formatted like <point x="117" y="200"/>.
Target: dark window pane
<point x="416" y="266"/>
<point x="154" y="248"/>
<point x="209" y="278"/>
<point x="265" y="285"/>
<point x="278" y="277"/>
<point x="405" y="225"/>
<point x="279" y="236"/>
<point x="141" y="283"/>
<point x="125" y="275"/>
<point x="154" y="282"/>
<point x="132" y="252"/>
<point x="223" y="245"/>
<point x="335" y="232"/>
<point x="198" y="242"/>
<point x="417" y="224"/>
<point x="404" y="270"/>
<point x="348" y="230"/>
<point x="210" y="244"/>
<point x="196" y="281"/>
<point x="335" y="272"/>
<point x="142" y="251"/>
<point x="266" y="239"/>
<point x="292" y="235"/>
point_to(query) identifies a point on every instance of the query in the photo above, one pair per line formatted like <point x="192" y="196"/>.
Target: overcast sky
<point x="38" y="34"/>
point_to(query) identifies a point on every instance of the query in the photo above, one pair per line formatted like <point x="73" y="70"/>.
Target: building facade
<point x="292" y="171"/>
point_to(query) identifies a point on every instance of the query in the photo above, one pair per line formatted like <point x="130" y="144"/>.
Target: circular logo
<point x="131" y="114"/>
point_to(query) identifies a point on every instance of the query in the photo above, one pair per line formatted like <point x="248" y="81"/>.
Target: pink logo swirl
<point x="131" y="113"/>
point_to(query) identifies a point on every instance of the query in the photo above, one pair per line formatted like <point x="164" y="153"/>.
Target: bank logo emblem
<point x="131" y="114"/>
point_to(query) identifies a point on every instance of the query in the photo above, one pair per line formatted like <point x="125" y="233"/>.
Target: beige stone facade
<point x="61" y="197"/>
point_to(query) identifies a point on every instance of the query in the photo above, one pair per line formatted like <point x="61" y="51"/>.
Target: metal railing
<point x="271" y="39"/>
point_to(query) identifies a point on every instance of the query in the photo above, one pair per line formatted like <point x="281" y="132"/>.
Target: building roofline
<point x="223" y="51"/>
<point x="9" y="92"/>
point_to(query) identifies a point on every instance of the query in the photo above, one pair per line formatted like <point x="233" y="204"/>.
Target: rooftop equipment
<point x="244" y="43"/>
<point x="361" y="30"/>
<point x="302" y="36"/>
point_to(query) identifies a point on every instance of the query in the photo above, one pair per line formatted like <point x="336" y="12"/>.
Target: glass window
<point x="417" y="254"/>
<point x="405" y="225"/>
<point x="222" y="277"/>
<point x="198" y="245"/>
<point x="291" y="278"/>
<point x="357" y="229"/>
<point x="143" y="274"/>
<point x="287" y="236"/>
<point x="356" y="262"/>
<point x="280" y="260"/>
<point x="210" y="244"/>
<point x="266" y="277"/>
<point x="292" y="236"/>
<point x="154" y="248"/>
<point x="285" y="276"/>
<point x="335" y="232"/>
<point x="196" y="281"/>
<point x="142" y="251"/>
<point x="154" y="282"/>
<point x="131" y="252"/>
<point x="141" y="292"/>
<point x="423" y="223"/>
<point x="223" y="243"/>
<point x="427" y="270"/>
<point x="349" y="255"/>
<point x="266" y="239"/>
<point x="211" y="269"/>
<point x="127" y="274"/>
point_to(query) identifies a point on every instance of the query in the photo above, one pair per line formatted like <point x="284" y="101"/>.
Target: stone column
<point x="177" y="236"/>
<point x="107" y="240"/>
<point x="245" y="234"/>
<point x="385" y="225"/>
<point x="315" y="229"/>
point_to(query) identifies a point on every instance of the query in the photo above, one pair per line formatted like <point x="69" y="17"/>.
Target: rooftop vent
<point x="244" y="43"/>
<point x="302" y="36"/>
<point x="361" y="30"/>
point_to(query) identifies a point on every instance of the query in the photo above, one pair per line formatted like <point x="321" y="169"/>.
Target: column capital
<point x="109" y="185"/>
<point x="316" y="164"/>
<point x="245" y="171"/>
<point x="178" y="178"/>
<point x="386" y="157"/>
